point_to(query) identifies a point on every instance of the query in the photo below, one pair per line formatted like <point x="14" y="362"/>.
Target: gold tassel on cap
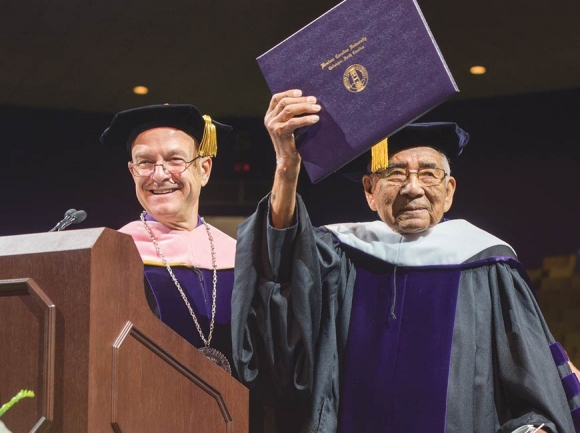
<point x="380" y="156"/>
<point x="208" y="145"/>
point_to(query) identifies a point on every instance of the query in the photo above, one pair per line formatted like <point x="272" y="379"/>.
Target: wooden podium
<point x="76" y="329"/>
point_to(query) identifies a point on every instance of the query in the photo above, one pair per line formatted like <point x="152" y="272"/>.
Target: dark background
<point x="66" y="66"/>
<point x="517" y="178"/>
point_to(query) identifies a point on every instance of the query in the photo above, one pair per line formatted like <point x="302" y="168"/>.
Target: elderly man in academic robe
<point x="411" y="323"/>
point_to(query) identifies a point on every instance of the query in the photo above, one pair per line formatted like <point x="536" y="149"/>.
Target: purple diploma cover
<point x="373" y="65"/>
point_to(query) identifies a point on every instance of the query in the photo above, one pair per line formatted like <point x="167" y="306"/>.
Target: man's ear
<point x="449" y="192"/>
<point x="205" y="166"/>
<point x="369" y="186"/>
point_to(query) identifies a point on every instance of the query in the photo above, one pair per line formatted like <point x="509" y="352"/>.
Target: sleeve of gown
<point x="289" y="287"/>
<point x="532" y="387"/>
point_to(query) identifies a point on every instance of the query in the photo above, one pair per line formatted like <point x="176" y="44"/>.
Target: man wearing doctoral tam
<point x="188" y="263"/>
<point x="411" y="323"/>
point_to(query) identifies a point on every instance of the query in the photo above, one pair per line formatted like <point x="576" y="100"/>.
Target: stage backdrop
<point x="518" y="177"/>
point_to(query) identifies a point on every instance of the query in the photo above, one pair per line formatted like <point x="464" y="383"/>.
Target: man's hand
<point x="530" y="429"/>
<point x="287" y="112"/>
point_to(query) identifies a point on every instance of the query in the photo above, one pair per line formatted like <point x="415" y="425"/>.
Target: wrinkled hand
<point x="287" y="112"/>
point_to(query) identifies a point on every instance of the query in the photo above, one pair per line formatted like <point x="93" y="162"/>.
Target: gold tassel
<point x="208" y="145"/>
<point x="380" y="156"/>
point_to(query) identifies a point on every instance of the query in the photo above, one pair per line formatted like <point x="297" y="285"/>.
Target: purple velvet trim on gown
<point x="571" y="385"/>
<point x="197" y="285"/>
<point x="558" y="353"/>
<point x="382" y="353"/>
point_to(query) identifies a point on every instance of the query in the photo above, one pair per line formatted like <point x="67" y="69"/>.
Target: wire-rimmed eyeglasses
<point x="173" y="166"/>
<point x="426" y="176"/>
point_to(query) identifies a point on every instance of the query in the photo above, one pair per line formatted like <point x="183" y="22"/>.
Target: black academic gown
<point x="347" y="341"/>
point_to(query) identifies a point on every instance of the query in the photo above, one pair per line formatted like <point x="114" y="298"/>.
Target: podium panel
<point x="80" y="334"/>
<point x="177" y="405"/>
<point x="27" y="332"/>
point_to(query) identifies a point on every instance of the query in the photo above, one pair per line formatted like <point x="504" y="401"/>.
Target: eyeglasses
<point x="426" y="176"/>
<point x="173" y="166"/>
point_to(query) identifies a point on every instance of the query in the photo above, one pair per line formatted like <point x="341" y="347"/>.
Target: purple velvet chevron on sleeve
<point x="570" y="383"/>
<point x="558" y="353"/>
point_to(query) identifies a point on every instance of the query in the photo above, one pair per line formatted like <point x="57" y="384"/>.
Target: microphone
<point x="71" y="216"/>
<point x="77" y="217"/>
<point x="67" y="215"/>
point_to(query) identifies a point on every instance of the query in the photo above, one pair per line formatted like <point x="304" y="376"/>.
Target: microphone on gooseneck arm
<point x="77" y="217"/>
<point x="67" y="215"/>
<point x="71" y="216"/>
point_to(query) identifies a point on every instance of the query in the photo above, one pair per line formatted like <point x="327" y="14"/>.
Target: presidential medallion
<point x="217" y="357"/>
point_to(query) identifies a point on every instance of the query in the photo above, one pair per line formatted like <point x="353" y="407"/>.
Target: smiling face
<point x="172" y="199"/>
<point x="411" y="207"/>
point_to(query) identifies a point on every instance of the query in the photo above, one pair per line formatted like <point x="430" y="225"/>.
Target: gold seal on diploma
<point x="355" y="78"/>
